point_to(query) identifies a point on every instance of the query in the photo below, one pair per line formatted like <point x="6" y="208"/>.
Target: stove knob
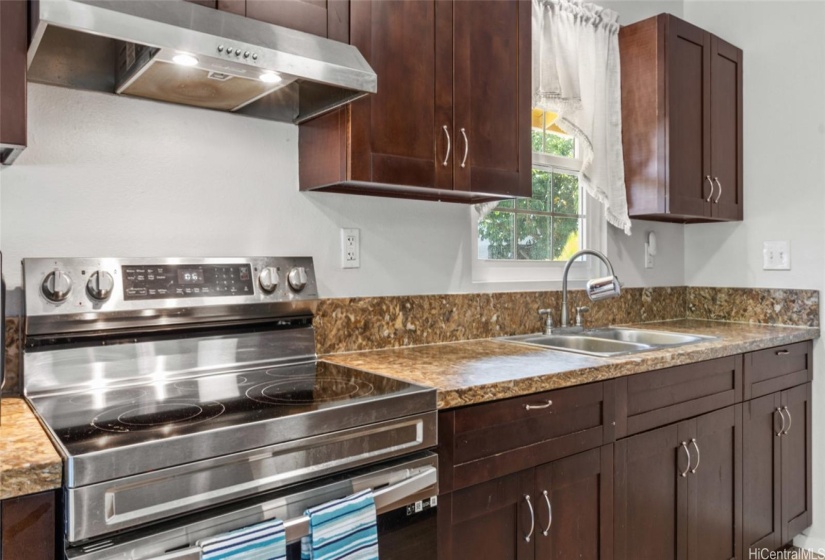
<point x="100" y="285"/>
<point x="269" y="279"/>
<point x="56" y="286"/>
<point x="297" y="278"/>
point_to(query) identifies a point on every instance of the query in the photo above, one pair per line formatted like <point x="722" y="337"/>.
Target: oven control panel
<point x="164" y="281"/>
<point x="82" y="294"/>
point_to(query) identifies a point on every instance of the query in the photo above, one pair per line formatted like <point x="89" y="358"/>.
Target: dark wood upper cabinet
<point x="681" y="122"/>
<point x="451" y="119"/>
<point x="13" y="45"/>
<point x="326" y="18"/>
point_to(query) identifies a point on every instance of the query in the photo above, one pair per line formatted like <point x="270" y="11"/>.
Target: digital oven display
<point x="168" y="281"/>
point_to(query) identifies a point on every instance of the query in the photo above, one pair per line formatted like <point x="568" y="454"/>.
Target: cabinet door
<point x="715" y="485"/>
<point x="726" y="129"/>
<point x="650" y="512"/>
<point x="796" y="462"/>
<point x="490" y="520"/>
<point x="688" y="95"/>
<point x="13" y="44"/>
<point x="575" y="507"/>
<point x="29" y="528"/>
<point x="327" y="18"/>
<point x="398" y="134"/>
<point x="761" y="474"/>
<point x="492" y="97"/>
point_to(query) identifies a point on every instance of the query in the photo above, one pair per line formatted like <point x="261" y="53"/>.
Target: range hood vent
<point x="179" y="52"/>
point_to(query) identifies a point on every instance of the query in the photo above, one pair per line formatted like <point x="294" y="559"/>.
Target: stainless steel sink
<point x="653" y="338"/>
<point x="610" y="341"/>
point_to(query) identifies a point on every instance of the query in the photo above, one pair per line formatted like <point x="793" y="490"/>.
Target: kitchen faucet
<point x="596" y="289"/>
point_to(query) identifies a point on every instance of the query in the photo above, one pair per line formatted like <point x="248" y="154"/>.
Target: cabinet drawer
<point x="649" y="400"/>
<point x="776" y="369"/>
<point x="491" y="440"/>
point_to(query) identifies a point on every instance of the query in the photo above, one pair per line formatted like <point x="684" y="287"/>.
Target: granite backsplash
<point x="370" y="323"/>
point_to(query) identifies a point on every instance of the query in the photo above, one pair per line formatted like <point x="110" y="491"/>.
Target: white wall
<point x="105" y="175"/>
<point x="784" y="121"/>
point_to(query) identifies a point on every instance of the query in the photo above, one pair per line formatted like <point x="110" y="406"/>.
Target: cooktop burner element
<point x="147" y="416"/>
<point x="308" y="390"/>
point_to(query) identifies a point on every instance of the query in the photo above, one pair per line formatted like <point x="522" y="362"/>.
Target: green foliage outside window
<point x="544" y="227"/>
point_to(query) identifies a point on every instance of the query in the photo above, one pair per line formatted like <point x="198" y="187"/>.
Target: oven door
<point x="405" y="498"/>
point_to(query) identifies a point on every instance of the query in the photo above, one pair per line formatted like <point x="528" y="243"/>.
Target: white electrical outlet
<point x="350" y="248"/>
<point x="776" y="255"/>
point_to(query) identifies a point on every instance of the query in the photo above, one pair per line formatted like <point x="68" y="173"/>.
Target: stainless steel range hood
<point x="179" y="52"/>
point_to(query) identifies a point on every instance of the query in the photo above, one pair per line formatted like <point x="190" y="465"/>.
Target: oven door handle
<point x="386" y="499"/>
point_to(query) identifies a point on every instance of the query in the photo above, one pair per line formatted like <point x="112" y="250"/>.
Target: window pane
<point x="495" y="236"/>
<point x="565" y="194"/>
<point x="560" y="145"/>
<point x="537" y="138"/>
<point x="533" y="237"/>
<point x="541" y="192"/>
<point x="505" y="204"/>
<point x="566" y="238"/>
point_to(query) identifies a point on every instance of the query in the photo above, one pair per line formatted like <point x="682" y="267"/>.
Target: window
<point x="547" y="229"/>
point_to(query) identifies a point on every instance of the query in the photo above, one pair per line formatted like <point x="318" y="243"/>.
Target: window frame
<point x="594" y="236"/>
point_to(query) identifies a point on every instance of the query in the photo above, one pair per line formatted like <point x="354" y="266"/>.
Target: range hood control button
<point x="246" y="54"/>
<point x="56" y="286"/>
<point x="254" y="56"/>
<point x="237" y="52"/>
<point x="269" y="279"/>
<point x="297" y="278"/>
<point x="100" y="285"/>
<point x="220" y="48"/>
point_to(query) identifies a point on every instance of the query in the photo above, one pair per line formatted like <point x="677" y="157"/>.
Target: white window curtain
<point x="576" y="74"/>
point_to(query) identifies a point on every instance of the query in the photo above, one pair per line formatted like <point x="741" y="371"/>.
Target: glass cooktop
<point x="97" y="420"/>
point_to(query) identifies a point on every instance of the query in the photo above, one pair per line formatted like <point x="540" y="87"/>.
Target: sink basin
<point x="582" y="344"/>
<point x="653" y="338"/>
<point x="610" y="341"/>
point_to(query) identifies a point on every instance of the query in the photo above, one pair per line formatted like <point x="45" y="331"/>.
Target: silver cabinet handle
<point x="532" y="518"/>
<point x="698" y="455"/>
<point x="687" y="451"/>
<point x="706" y="177"/>
<point x="718" y="184"/>
<point x="782" y="352"/>
<point x="782" y="416"/>
<point x="466" y="147"/>
<point x="790" y="420"/>
<point x="549" y="514"/>
<point x="548" y="404"/>
<point x="447" y="155"/>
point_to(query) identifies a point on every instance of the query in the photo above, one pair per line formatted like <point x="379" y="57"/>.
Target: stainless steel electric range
<point x="186" y="399"/>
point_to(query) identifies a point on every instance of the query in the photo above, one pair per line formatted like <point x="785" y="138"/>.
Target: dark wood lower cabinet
<point x="678" y="490"/>
<point x="560" y="510"/>
<point x="29" y="527"/>
<point x="706" y="474"/>
<point x="574" y="514"/>
<point x="796" y="462"/>
<point x="777" y="468"/>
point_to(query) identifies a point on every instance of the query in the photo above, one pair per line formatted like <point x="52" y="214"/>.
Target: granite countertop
<point x="28" y="461"/>
<point x="477" y="371"/>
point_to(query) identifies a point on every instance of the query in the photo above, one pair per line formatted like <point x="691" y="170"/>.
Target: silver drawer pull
<point x="698" y="455"/>
<point x="790" y="420"/>
<point x="532" y="518"/>
<point x="466" y="148"/>
<point x="782" y="428"/>
<point x="687" y="452"/>
<point x="782" y="352"/>
<point x="548" y="404"/>
<point x="710" y="196"/>
<point x="718" y="196"/>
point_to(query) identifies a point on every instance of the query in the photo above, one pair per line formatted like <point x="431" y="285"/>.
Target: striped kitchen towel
<point x="342" y="529"/>
<point x="264" y="541"/>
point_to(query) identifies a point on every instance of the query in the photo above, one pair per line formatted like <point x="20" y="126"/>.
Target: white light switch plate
<point x="776" y="255"/>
